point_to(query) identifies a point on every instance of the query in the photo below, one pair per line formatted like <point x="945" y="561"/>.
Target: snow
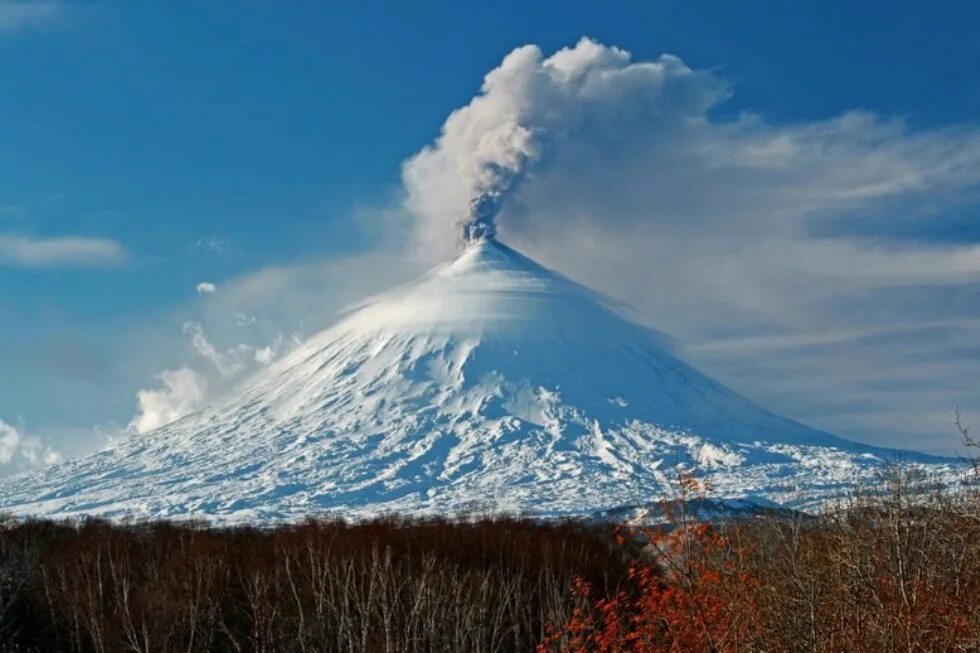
<point x="490" y="385"/>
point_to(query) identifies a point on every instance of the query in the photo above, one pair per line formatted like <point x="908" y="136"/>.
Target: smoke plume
<point x="530" y="107"/>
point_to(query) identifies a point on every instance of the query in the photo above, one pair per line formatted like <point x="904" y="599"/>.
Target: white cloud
<point x="184" y="392"/>
<point x="206" y="287"/>
<point x="57" y="252"/>
<point x="20" y="14"/>
<point x="22" y="451"/>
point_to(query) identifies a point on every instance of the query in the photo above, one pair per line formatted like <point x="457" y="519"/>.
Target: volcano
<point x="491" y="384"/>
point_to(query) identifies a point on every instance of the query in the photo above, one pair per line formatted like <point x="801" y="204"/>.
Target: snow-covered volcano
<point x="491" y="384"/>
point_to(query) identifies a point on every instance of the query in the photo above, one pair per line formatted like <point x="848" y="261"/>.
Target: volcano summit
<point x="491" y="384"/>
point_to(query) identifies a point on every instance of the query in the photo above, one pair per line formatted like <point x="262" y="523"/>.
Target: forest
<point x="894" y="569"/>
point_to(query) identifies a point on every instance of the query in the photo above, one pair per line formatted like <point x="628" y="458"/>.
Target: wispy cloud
<point x="25" y="251"/>
<point x="21" y="14"/>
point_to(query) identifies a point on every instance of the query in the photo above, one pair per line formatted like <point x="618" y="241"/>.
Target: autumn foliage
<point x="688" y="588"/>
<point x="898" y="570"/>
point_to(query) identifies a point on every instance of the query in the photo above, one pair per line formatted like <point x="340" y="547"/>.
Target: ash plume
<point x="486" y="203"/>
<point x="480" y="226"/>
<point x="503" y="158"/>
<point x="460" y="186"/>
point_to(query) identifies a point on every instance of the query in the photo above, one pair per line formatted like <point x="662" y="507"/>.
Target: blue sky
<point x="228" y="142"/>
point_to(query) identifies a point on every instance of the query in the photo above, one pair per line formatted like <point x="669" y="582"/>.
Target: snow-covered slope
<point x="491" y="384"/>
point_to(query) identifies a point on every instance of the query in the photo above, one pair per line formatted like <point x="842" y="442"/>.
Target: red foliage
<point x="691" y="592"/>
<point x="694" y="596"/>
<point x="899" y="571"/>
